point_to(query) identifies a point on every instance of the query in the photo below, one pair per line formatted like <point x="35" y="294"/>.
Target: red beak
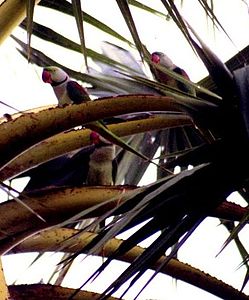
<point x="46" y="76"/>
<point x="155" y="58"/>
<point x="94" y="138"/>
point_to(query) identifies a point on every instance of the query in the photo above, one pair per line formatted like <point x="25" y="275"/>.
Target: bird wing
<point x="76" y="92"/>
<point x="61" y="171"/>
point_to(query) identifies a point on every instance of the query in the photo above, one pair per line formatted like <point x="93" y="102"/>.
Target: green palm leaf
<point x="66" y="7"/>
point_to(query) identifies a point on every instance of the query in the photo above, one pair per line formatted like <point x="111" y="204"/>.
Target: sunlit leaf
<point x="65" y="7"/>
<point x="50" y="35"/>
<point x="79" y="20"/>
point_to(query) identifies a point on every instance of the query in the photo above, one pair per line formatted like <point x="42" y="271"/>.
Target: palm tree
<point x="205" y="126"/>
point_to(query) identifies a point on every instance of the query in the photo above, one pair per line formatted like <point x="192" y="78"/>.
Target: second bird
<point x="165" y="61"/>
<point x="102" y="164"/>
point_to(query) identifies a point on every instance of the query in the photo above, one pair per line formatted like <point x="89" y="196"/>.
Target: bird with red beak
<point x="102" y="164"/>
<point x="102" y="169"/>
<point x="162" y="59"/>
<point x="67" y="91"/>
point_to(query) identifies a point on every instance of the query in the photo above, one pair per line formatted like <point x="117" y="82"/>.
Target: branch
<point x="49" y="292"/>
<point x="57" y="205"/>
<point x="19" y="134"/>
<point x="75" y="139"/>
<point x="51" y="240"/>
<point x="12" y="13"/>
<point x="4" y="292"/>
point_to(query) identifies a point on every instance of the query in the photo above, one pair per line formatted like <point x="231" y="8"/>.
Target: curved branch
<point x="75" y="139"/>
<point x="19" y="134"/>
<point x="51" y="240"/>
<point x="56" y="205"/>
<point x="49" y="292"/>
<point x="12" y="13"/>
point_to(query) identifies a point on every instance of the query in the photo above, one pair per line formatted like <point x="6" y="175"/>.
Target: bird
<point x="67" y="91"/>
<point x="102" y="164"/>
<point x="175" y="139"/>
<point x="66" y="170"/>
<point x="92" y="165"/>
<point x="102" y="169"/>
<point x="162" y="59"/>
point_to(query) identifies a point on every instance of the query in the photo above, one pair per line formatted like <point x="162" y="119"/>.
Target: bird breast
<point x="104" y="153"/>
<point x="100" y="166"/>
<point x="61" y="94"/>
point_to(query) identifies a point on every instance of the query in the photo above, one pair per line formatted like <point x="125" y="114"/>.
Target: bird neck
<point x="103" y="153"/>
<point x="56" y="83"/>
<point x="102" y="145"/>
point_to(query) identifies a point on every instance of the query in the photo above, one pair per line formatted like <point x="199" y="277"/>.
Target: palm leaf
<point x="65" y="7"/>
<point x="30" y="13"/>
<point x="230" y="226"/>
<point x="79" y="20"/>
<point x="11" y="193"/>
<point x="151" y="207"/>
<point x="209" y="9"/>
<point x="125" y="10"/>
<point x="102" y="86"/>
<point x="147" y="8"/>
<point x="42" y="60"/>
<point x="131" y="168"/>
<point x="177" y="18"/>
<point x="219" y="72"/>
<point x="241" y="80"/>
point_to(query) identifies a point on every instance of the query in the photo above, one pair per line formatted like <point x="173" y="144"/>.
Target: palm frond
<point x="79" y="20"/>
<point x="209" y="10"/>
<point x="148" y="9"/>
<point x="219" y="72"/>
<point x="65" y="7"/>
<point x="177" y="18"/>
<point x="241" y="81"/>
<point x="125" y="10"/>
<point x="150" y="207"/>
<point x="30" y="13"/>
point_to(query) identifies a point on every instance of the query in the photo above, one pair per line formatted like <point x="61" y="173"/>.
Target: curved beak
<point x="155" y="58"/>
<point x="46" y="76"/>
<point x="94" y="138"/>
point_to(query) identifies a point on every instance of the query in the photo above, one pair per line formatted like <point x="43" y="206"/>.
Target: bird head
<point x="98" y="140"/>
<point x="94" y="137"/>
<point x="163" y="59"/>
<point x="54" y="75"/>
